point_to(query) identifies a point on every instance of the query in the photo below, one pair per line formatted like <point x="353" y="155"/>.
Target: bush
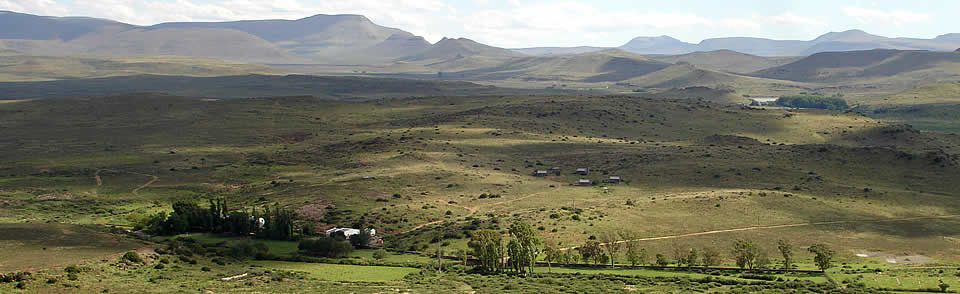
<point x="247" y="249"/>
<point x="326" y="247"/>
<point x="131" y="257"/>
<point x="159" y="266"/>
<point x="380" y="254"/>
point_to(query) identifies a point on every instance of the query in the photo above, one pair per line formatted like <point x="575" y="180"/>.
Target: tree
<point x="528" y="245"/>
<point x="786" y="250"/>
<point x="662" y="260"/>
<point x="763" y="260"/>
<point x="692" y="257"/>
<point x="679" y="254"/>
<point x="745" y="253"/>
<point x="643" y="256"/>
<point x="633" y="256"/>
<point x="944" y="286"/>
<point x="361" y="240"/>
<point x="462" y="255"/>
<point x="591" y="251"/>
<point x="572" y="257"/>
<point x="380" y="254"/>
<point x="325" y="246"/>
<point x="823" y="256"/>
<point x="711" y="257"/>
<point x="487" y="246"/>
<point x="552" y="254"/>
<point x="611" y="245"/>
<point x="516" y="257"/>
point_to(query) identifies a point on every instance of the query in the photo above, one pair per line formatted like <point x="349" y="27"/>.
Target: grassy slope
<point x="15" y="68"/>
<point x="440" y="153"/>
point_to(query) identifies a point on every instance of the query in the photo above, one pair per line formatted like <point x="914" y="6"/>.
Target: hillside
<point x="603" y="66"/>
<point x="449" y="49"/>
<point x="32" y="27"/>
<point x="839" y="66"/>
<point x="551" y="51"/>
<point x="18" y="67"/>
<point x="727" y="60"/>
<point x="245" y="86"/>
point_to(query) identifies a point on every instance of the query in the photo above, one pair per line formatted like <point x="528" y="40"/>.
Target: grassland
<point x="699" y="174"/>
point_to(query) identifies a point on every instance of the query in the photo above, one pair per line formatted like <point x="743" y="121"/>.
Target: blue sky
<point x="526" y="23"/>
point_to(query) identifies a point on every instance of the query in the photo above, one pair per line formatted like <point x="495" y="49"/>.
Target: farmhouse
<point x="762" y="101"/>
<point x="584" y="182"/>
<point x="614" y="180"/>
<point x="582" y="171"/>
<point x="540" y="173"/>
<point x="347" y="232"/>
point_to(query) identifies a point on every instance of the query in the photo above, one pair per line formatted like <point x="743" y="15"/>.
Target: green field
<point x="339" y="272"/>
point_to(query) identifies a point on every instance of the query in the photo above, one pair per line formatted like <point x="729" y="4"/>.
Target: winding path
<point x="153" y="179"/>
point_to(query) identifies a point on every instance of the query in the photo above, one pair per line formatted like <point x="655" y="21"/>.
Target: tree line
<point x="813" y="101"/>
<point x="274" y="223"/>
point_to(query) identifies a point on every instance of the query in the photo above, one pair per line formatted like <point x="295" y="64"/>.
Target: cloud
<point x="40" y="7"/>
<point x="895" y="17"/>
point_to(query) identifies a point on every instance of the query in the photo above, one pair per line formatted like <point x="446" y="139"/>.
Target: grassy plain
<point x="698" y="174"/>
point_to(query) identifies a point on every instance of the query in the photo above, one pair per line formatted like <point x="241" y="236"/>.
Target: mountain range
<point x="835" y="41"/>
<point x="355" y="39"/>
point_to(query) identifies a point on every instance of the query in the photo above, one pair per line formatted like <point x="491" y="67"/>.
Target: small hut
<point x="582" y="171"/>
<point x="614" y="180"/>
<point x="556" y="171"/>
<point x="584" y="182"/>
<point x="540" y="173"/>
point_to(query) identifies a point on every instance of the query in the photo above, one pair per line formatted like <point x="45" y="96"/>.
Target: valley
<point x="331" y="154"/>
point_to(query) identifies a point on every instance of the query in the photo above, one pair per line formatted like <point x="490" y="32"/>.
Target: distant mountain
<point x="339" y="37"/>
<point x="558" y="51"/>
<point x="657" y="45"/>
<point x="727" y="60"/>
<point x="832" y="66"/>
<point x="835" y="41"/>
<point x="32" y="27"/>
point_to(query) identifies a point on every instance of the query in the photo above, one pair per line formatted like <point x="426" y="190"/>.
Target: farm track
<point x="780" y="226"/>
<point x="153" y="179"/>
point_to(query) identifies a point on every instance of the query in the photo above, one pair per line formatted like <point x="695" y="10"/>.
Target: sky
<point x="537" y="23"/>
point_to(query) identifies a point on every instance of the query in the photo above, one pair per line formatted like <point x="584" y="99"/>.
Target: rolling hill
<point x="19" y="67"/>
<point x="838" y="66"/>
<point x="603" y="66"/>
<point x="727" y="60"/>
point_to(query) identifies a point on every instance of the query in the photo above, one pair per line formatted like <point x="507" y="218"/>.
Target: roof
<point x="764" y="99"/>
<point x="615" y="177"/>
<point x="541" y="171"/>
<point x="582" y="169"/>
<point x="584" y="181"/>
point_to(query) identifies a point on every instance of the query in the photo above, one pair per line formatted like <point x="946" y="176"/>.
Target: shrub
<point x="131" y="257"/>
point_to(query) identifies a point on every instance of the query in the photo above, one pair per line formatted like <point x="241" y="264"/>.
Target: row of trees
<point x="188" y="217"/>
<point x="813" y="101"/>
<point x="518" y="255"/>
<point x="745" y="253"/>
